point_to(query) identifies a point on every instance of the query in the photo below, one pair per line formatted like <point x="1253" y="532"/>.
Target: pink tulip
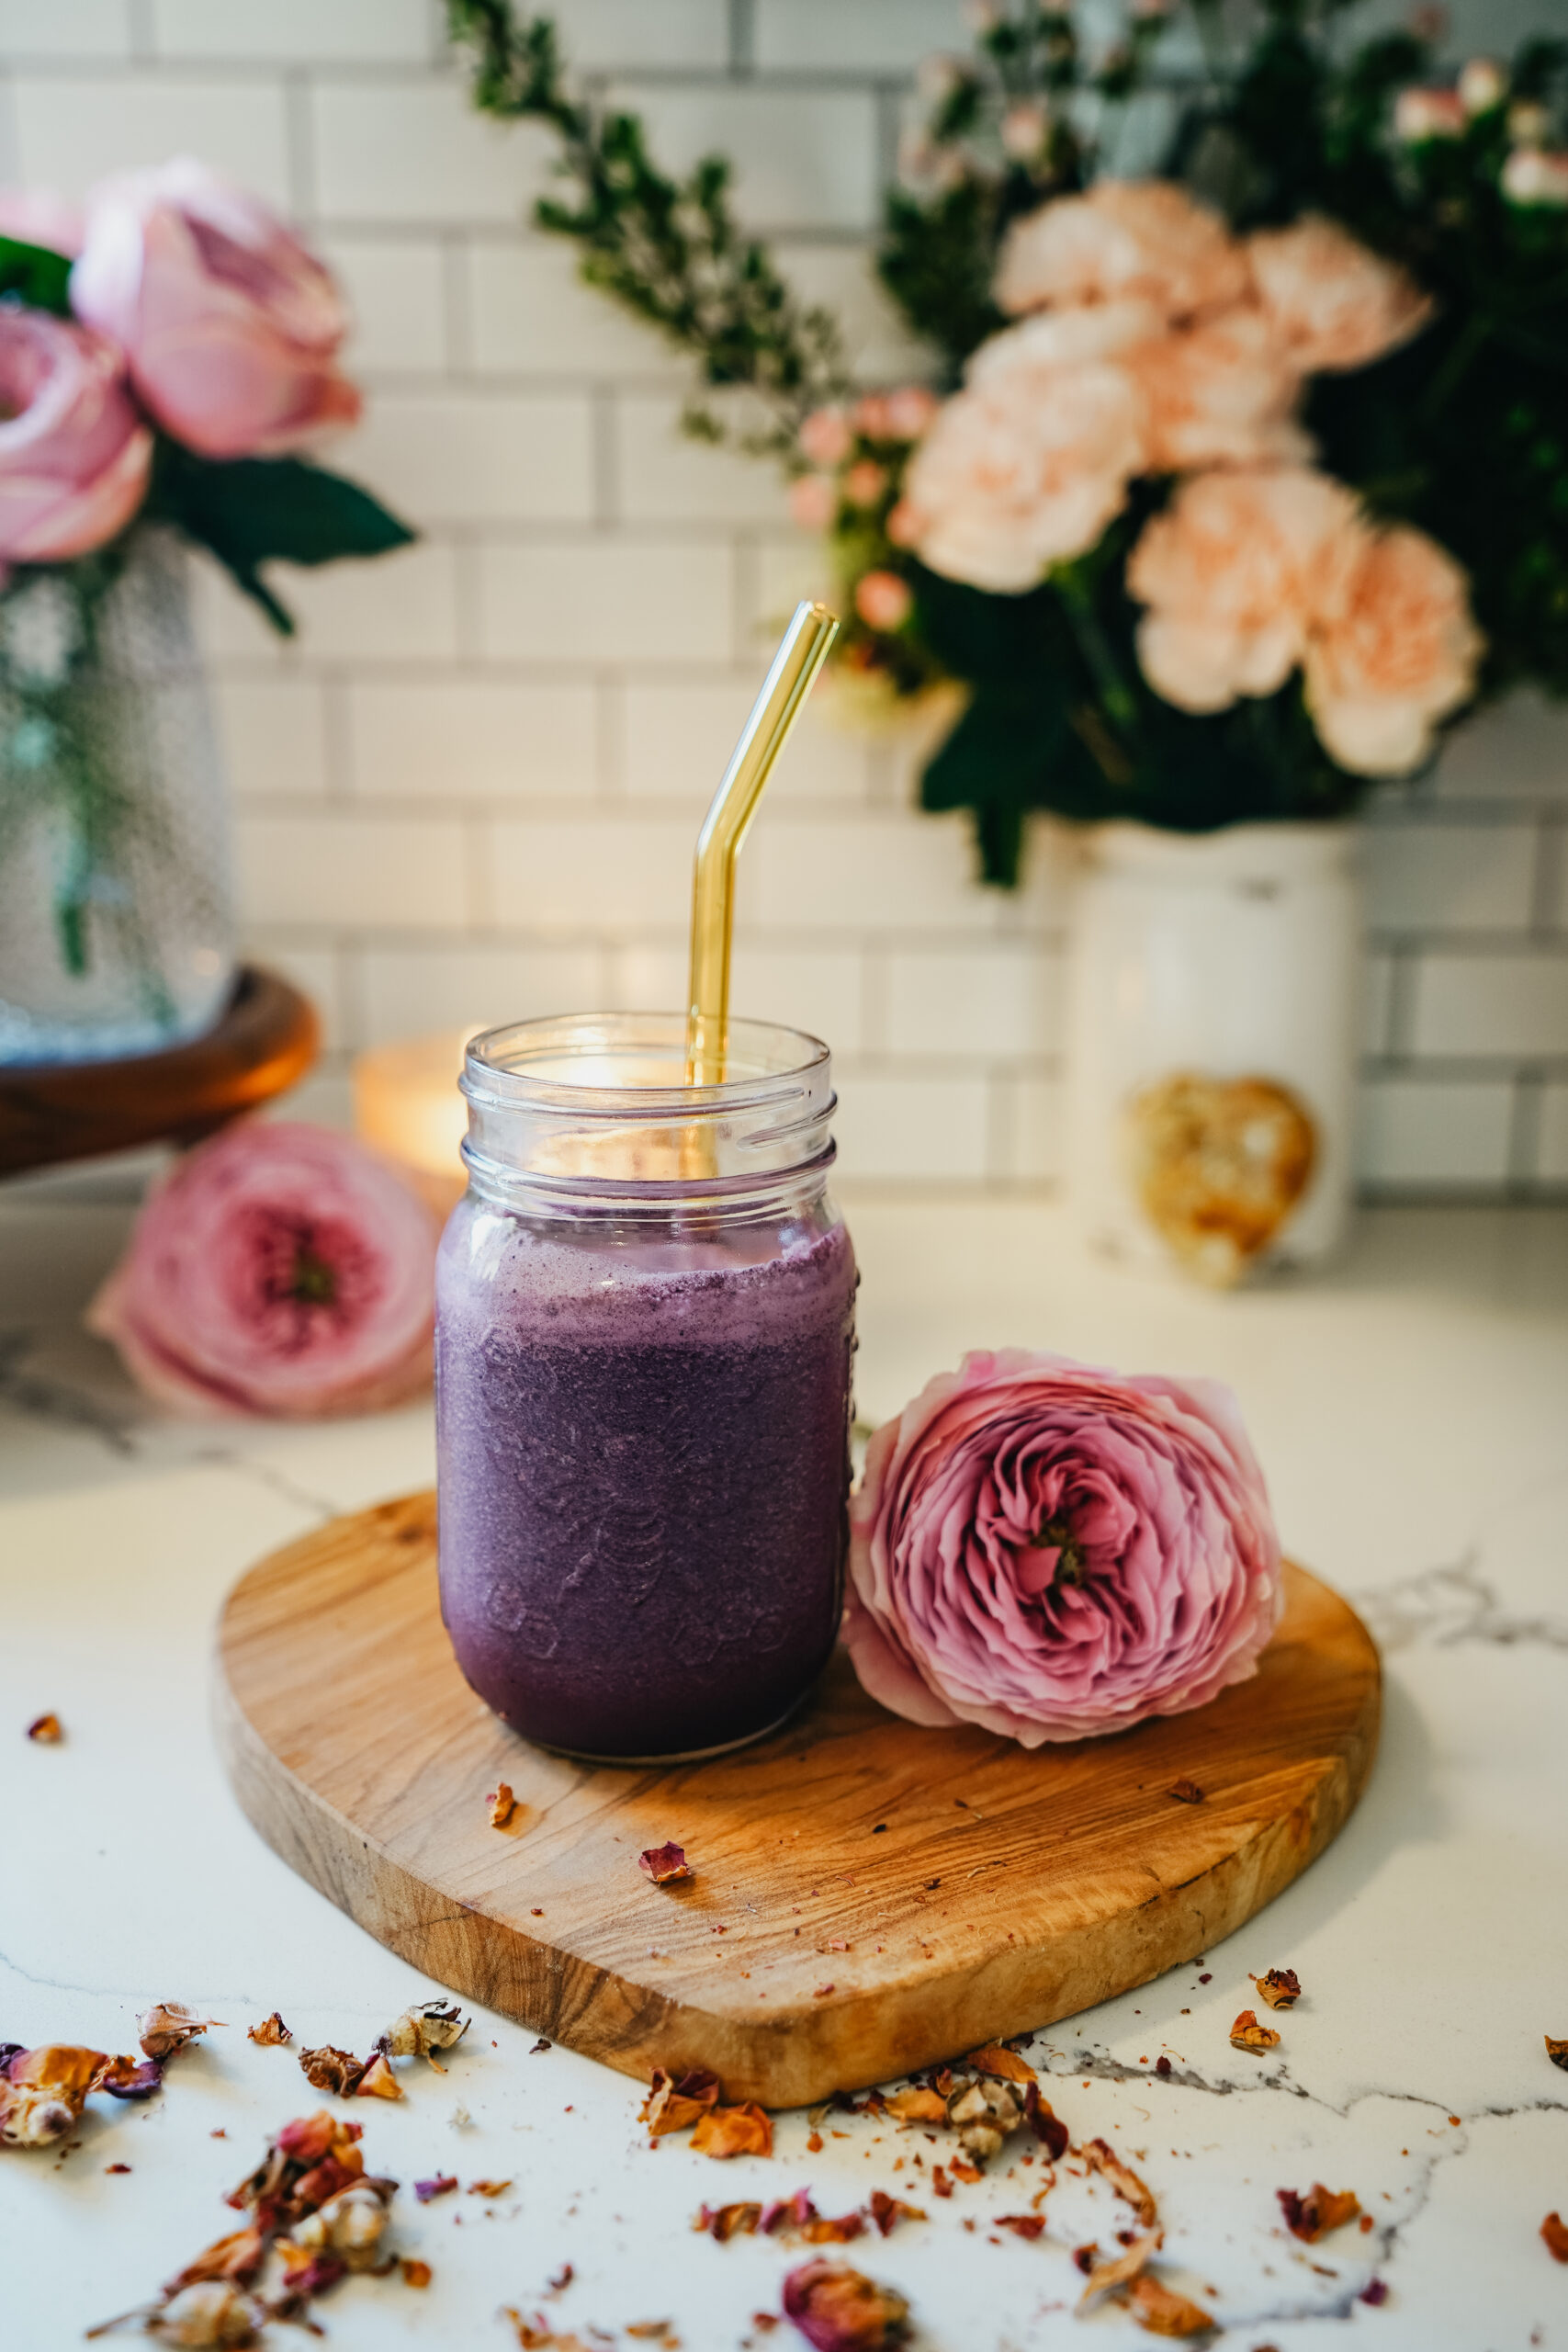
<point x="74" y="453"/>
<point x="229" y="327"/>
<point x="280" y="1270"/>
<point x="1052" y="1551"/>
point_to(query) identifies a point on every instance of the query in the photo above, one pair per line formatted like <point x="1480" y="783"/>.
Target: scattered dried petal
<point x="491" y="2188"/>
<point x="502" y="1804"/>
<point x="1123" y="2268"/>
<point x="129" y="2078"/>
<point x="236" y="2258"/>
<point x="272" y="2032"/>
<point x="1311" y="2217"/>
<point x="561" y="2280"/>
<point x="424" y="2029"/>
<point x="888" y="2211"/>
<point x="674" y="2101"/>
<point x="1376" y="2291"/>
<point x="43" y="2091"/>
<point x="1165" y="2313"/>
<point x="348" y="2228"/>
<point x="840" y="2310"/>
<point x="1102" y="2157"/>
<point x="327" y="2069"/>
<point x="1557" y="2052"/>
<point x="995" y="2058"/>
<point x="1186" y="1792"/>
<point x="1022" y="2225"/>
<point x="821" y="2231"/>
<point x="1282" y="1988"/>
<point x="415" y="2273"/>
<point x="939" y="2181"/>
<point x="46" y="1730"/>
<point x="1044" y="2123"/>
<point x="168" y="2026"/>
<point x="744" y="2131"/>
<point x="665" y="1865"/>
<point x="1554" y="2230"/>
<point x="918" y="2106"/>
<point x="441" y="2184"/>
<point x="204" y="2316"/>
<point x="1247" y="2034"/>
<point x="379" y="2081"/>
<point x="726" y="2222"/>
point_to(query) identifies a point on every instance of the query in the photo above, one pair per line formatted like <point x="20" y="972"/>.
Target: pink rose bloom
<point x="1332" y="302"/>
<point x="825" y="438"/>
<point x="1232" y="572"/>
<point x="1053" y="1551"/>
<point x="229" y="327"/>
<point x="1532" y="176"/>
<point x="909" y="411"/>
<point x="813" y="500"/>
<point x="883" y="600"/>
<point x="279" y="1270"/>
<point x="39" y="216"/>
<point x="1393" y="650"/>
<point x="74" y="453"/>
<point x="1220" y="393"/>
<point x="1423" y="114"/>
<point x="1147" y="239"/>
<point x="1028" y="464"/>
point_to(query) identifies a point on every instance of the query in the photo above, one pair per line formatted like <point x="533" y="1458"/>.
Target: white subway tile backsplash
<point x="290" y="31"/>
<point x="666" y="476"/>
<point x="461" y="456"/>
<point x="1037" y="1128"/>
<point x="992" y="1002"/>
<point x="1491" y="1004"/>
<point x="911" y="1128"/>
<point x="416" y="152"/>
<point x="604" y="599"/>
<point x="397" y="294"/>
<point x="816" y="989"/>
<point x="1448" y="877"/>
<point x="274" y="734"/>
<point x="603" y="872"/>
<point x="473" y="739"/>
<point x="31" y="29"/>
<point x="417" y="987"/>
<point x="621" y="33"/>
<point x="337" y="871"/>
<point x="1516" y="748"/>
<point x="678" y="739"/>
<point x="72" y="129"/>
<point x="893" y="872"/>
<point x="1553" y="1165"/>
<point x="880" y="37"/>
<point x="1416" y="1132"/>
<point x="878" y="345"/>
<point x="530" y="314"/>
<point x="804" y="159"/>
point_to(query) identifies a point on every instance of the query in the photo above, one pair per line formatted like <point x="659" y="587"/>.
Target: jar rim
<point x="517" y="1067"/>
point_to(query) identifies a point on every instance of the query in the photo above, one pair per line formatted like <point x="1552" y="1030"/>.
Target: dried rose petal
<point x="994" y="2059"/>
<point x="1022" y="2225"/>
<point x="43" y="2092"/>
<point x="1282" y="1988"/>
<point x="1311" y="2217"/>
<point x="1121" y="2268"/>
<point x="675" y="2101"/>
<point x="726" y="2222"/>
<point x="1044" y="2123"/>
<point x="821" y="2231"/>
<point x="1247" y="2034"/>
<point x="1557" y="2052"/>
<point x="271" y="2031"/>
<point x="1102" y="2157"/>
<point x="424" y="2029"/>
<point x="888" y="2211"/>
<point x="236" y="2258"/>
<point x="415" y="2273"/>
<point x="840" y="2310"/>
<point x="441" y="2184"/>
<point x="787" y="2214"/>
<point x="308" y="2139"/>
<point x="349" y="2227"/>
<point x="916" y="2105"/>
<point x="379" y="2081"/>
<point x="46" y="1730"/>
<point x="502" y="1804"/>
<point x="491" y="2189"/>
<point x="208" y="2315"/>
<point x="744" y="2131"/>
<point x="1186" y="1792"/>
<point x="129" y="2078"/>
<point x="665" y="1864"/>
<point x="327" y="2069"/>
<point x="167" y="2026"/>
<point x="1165" y="2313"/>
<point x="1376" y="2291"/>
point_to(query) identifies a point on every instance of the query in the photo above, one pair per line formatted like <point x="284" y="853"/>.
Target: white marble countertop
<point x="1410" y="1412"/>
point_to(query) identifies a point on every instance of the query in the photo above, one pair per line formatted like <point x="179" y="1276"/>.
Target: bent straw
<point x="763" y="737"/>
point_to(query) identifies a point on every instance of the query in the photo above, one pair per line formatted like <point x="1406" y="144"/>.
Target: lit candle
<point x="406" y="1103"/>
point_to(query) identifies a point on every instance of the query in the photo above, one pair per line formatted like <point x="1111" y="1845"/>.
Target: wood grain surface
<point x="868" y="1896"/>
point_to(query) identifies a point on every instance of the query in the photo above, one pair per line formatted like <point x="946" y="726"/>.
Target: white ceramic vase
<point x="1213" y="1018"/>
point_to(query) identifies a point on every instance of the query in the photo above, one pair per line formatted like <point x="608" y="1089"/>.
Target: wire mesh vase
<point x="116" y="919"/>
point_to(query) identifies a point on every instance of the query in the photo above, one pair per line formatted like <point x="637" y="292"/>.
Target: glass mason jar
<point x="645" y="1322"/>
<point x="115" y="933"/>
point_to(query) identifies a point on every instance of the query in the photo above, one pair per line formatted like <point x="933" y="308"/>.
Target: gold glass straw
<point x="730" y="811"/>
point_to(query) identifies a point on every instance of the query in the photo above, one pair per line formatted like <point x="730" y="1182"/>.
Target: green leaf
<point x="36" y="276"/>
<point x="251" y="511"/>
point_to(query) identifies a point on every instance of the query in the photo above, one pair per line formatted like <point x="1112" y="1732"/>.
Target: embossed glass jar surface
<point x="644" y="1332"/>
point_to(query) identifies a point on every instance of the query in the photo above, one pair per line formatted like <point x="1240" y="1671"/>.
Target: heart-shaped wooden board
<point x="868" y="1896"/>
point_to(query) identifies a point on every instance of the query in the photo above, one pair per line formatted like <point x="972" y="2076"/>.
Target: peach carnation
<point x="1232" y="572"/>
<point x="1221" y="393"/>
<point x="1394" y="650"/>
<point x="1333" y="302"/>
<point x="1147" y="238"/>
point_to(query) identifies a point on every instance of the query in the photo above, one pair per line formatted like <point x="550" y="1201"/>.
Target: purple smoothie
<point x="644" y="1461"/>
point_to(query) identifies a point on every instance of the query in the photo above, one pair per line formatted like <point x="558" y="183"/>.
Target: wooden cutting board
<point x="868" y="1896"/>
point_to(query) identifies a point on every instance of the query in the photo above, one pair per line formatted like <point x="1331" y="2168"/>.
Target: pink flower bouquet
<point x="1051" y="1551"/>
<point x="277" y="1270"/>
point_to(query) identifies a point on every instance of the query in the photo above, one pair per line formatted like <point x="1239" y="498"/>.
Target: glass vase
<point x="115" y="923"/>
<point x="1213" y="1018"/>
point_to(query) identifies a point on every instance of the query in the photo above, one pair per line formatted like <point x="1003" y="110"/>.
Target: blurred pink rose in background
<point x="74" y="453"/>
<point x="1143" y="238"/>
<point x="1050" y="1550"/>
<point x="826" y="437"/>
<point x="39" y="216"/>
<point x="1221" y="393"/>
<point x="1232" y="572"/>
<point x="230" y="326"/>
<point x="1394" y="650"/>
<point x="813" y="500"/>
<point x="280" y="1270"/>
<point x="1332" y="302"/>
<point x="883" y="600"/>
